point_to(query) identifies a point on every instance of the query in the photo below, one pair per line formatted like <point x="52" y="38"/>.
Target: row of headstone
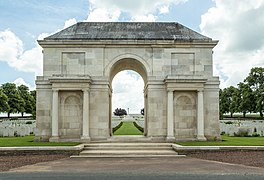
<point x="20" y="128"/>
<point x="232" y="127"/>
<point x="16" y="128"/>
<point x="115" y="123"/>
<point x="139" y="119"/>
<point x="141" y="123"/>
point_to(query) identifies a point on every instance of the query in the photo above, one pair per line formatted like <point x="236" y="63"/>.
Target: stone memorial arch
<point x="74" y="95"/>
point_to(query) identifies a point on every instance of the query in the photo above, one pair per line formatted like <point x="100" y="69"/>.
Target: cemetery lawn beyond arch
<point x="128" y="128"/>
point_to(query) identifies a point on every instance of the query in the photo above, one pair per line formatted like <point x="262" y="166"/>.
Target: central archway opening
<point x="128" y="82"/>
<point x="128" y="103"/>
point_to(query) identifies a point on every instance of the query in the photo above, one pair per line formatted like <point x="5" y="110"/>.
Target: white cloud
<point x="103" y="15"/>
<point x="10" y="45"/>
<point x="69" y="22"/>
<point x="30" y="61"/>
<point x="140" y="10"/>
<point x="144" y="18"/>
<point x="20" y="81"/>
<point x="163" y="9"/>
<point x="238" y="25"/>
<point x="12" y="52"/>
<point x="16" y="57"/>
<point x="43" y="35"/>
<point x="128" y="91"/>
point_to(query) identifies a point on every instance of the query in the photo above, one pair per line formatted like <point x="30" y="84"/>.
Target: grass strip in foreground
<point x="227" y="141"/>
<point x="29" y="141"/>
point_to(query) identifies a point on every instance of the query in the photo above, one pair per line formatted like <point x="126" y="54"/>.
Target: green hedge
<point x="117" y="127"/>
<point x="141" y="129"/>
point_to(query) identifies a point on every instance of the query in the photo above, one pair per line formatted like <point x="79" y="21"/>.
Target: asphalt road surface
<point x="134" y="168"/>
<point x="96" y="176"/>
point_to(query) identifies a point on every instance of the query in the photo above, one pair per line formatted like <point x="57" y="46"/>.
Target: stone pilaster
<point x="86" y="110"/>
<point x="200" y="116"/>
<point x="170" y="123"/>
<point x="55" y="116"/>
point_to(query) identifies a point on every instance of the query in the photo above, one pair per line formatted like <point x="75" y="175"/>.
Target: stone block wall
<point x="99" y="113"/>
<point x="160" y="61"/>
<point x="156" y="117"/>
<point x="44" y="110"/>
<point x="211" y="117"/>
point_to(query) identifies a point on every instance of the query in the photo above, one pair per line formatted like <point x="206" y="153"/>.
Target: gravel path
<point x="248" y="158"/>
<point x="253" y="158"/>
<point x="9" y="162"/>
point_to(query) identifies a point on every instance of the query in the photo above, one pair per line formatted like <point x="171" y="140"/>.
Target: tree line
<point x="247" y="97"/>
<point x="17" y="99"/>
<point x="120" y="112"/>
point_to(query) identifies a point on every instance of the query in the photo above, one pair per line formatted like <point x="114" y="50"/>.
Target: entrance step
<point x="131" y="139"/>
<point x="128" y="150"/>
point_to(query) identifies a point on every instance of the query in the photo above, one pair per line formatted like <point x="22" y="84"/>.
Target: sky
<point x="237" y="24"/>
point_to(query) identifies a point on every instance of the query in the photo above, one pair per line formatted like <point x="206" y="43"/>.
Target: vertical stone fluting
<point x="55" y="116"/>
<point x="200" y="116"/>
<point x="85" y="129"/>
<point x="170" y="123"/>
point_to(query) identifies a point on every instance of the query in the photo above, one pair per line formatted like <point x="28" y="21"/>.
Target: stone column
<point x="200" y="116"/>
<point x="110" y="115"/>
<point x="85" y="131"/>
<point x="170" y="123"/>
<point x="145" y="115"/>
<point x="55" y="117"/>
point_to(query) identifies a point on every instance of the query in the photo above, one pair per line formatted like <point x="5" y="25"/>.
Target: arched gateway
<point x="80" y="62"/>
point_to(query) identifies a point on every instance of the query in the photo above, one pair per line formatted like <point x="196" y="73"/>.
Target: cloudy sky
<point x="237" y="24"/>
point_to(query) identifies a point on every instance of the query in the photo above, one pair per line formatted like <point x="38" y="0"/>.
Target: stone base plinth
<point x="85" y="139"/>
<point x="170" y="139"/>
<point x="201" y="138"/>
<point x="54" y="139"/>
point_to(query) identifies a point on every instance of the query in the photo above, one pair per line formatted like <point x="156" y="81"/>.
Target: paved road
<point x="96" y="176"/>
<point x="134" y="168"/>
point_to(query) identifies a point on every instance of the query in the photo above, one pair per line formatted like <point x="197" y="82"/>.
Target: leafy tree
<point x="15" y="102"/>
<point x="255" y="80"/>
<point x="260" y="101"/>
<point x="247" y="103"/>
<point x="34" y="96"/>
<point x="223" y="102"/>
<point x="229" y="100"/>
<point x="120" y="112"/>
<point x="248" y="97"/>
<point x="27" y="107"/>
<point x="234" y="99"/>
<point x="4" y="107"/>
<point x="142" y="111"/>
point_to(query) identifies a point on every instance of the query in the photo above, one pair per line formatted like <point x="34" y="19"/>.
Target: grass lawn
<point x="228" y="141"/>
<point x="128" y="128"/>
<point x="28" y="141"/>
